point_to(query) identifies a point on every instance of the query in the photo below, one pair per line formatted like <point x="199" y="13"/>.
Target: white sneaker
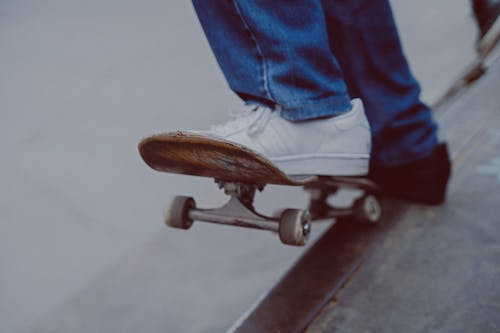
<point x="338" y="146"/>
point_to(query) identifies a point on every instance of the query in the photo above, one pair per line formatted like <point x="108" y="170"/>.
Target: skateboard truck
<point x="293" y="225"/>
<point x="366" y="209"/>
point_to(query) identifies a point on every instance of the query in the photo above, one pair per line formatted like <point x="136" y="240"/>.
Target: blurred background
<point x="82" y="244"/>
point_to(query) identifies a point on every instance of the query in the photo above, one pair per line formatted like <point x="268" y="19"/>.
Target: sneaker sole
<point x="324" y="165"/>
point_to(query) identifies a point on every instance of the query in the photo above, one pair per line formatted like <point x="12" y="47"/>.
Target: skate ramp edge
<point x="423" y="268"/>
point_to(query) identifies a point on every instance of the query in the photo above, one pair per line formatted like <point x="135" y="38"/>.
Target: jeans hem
<point x="319" y="109"/>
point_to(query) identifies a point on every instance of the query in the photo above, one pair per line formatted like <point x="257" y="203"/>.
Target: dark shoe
<point x="423" y="181"/>
<point x="486" y="13"/>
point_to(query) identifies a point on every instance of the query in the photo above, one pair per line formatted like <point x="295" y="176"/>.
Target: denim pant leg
<point x="364" y="39"/>
<point x="276" y="52"/>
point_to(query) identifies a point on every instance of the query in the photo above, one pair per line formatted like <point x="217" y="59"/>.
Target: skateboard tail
<point x="197" y="155"/>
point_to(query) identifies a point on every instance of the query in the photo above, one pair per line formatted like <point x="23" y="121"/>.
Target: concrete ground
<point x="82" y="246"/>
<point x="438" y="269"/>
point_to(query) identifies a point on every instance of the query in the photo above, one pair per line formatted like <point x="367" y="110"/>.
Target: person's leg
<point x="405" y="155"/>
<point x="364" y="38"/>
<point x="276" y="55"/>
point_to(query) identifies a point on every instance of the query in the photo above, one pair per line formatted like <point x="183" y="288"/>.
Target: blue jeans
<point x="311" y="57"/>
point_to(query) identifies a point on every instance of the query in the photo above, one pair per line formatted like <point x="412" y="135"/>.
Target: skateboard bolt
<point x="306" y="229"/>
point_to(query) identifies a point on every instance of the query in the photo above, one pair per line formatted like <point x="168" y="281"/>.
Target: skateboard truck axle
<point x="293" y="226"/>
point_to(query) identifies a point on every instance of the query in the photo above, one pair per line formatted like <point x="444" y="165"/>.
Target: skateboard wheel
<point x="294" y="227"/>
<point x="177" y="215"/>
<point x="367" y="209"/>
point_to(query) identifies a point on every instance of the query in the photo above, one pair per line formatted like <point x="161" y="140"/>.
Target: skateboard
<point x="240" y="172"/>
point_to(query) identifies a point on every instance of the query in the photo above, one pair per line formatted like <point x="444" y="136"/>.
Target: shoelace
<point x="252" y="116"/>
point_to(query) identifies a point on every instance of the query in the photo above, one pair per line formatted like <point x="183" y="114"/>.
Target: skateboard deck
<point x="199" y="155"/>
<point x="240" y="172"/>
